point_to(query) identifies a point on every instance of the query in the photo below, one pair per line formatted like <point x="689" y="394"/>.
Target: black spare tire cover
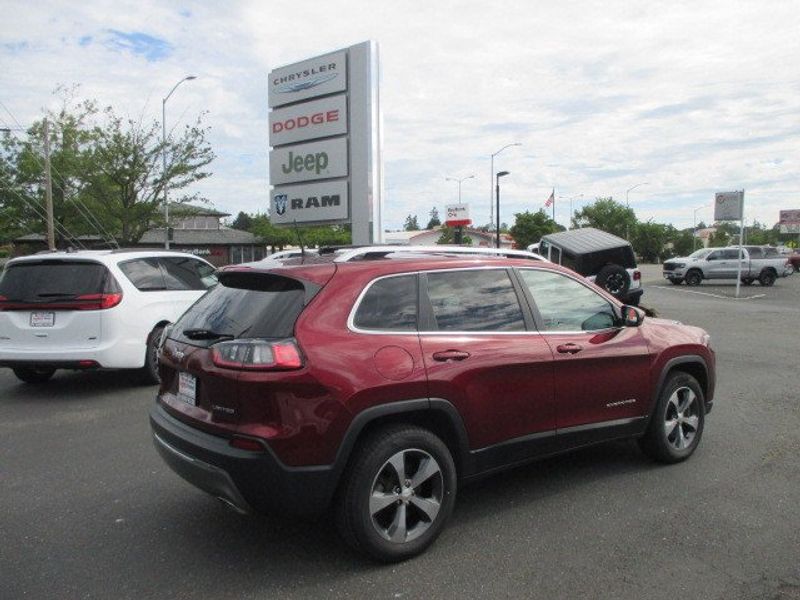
<point x="615" y="280"/>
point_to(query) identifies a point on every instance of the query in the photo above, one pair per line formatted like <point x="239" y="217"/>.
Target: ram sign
<point x="324" y="133"/>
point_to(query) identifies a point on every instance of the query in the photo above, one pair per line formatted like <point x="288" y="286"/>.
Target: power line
<point x="86" y="213"/>
<point x="37" y="208"/>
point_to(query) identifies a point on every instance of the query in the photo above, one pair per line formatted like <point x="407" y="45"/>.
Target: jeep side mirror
<point x="632" y="316"/>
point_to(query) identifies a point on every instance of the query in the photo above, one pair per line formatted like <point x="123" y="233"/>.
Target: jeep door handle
<point x="448" y="355"/>
<point x="569" y="348"/>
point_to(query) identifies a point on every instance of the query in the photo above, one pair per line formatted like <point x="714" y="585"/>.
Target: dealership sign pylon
<point x="325" y="134"/>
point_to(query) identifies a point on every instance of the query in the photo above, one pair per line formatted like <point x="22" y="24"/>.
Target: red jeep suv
<point x="377" y="380"/>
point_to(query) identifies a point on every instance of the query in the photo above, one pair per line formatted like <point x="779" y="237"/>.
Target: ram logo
<point x="281" y="202"/>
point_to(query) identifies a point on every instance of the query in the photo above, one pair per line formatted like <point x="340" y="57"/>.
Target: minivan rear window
<point x="52" y="280"/>
<point x="254" y="306"/>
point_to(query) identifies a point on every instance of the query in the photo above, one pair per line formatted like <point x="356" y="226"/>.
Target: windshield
<point x="702" y="253"/>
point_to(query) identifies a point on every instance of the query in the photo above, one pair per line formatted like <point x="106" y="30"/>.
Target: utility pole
<point x="48" y="188"/>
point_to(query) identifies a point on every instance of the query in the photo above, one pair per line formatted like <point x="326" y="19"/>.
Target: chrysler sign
<point x="308" y="79"/>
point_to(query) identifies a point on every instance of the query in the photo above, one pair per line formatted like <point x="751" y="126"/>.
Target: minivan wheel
<point x="149" y="371"/>
<point x="33" y="374"/>
<point x="693" y="278"/>
<point x="614" y="279"/>
<point x="677" y="423"/>
<point x="397" y="494"/>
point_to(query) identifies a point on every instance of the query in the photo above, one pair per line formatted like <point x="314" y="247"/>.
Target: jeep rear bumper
<point x="246" y="480"/>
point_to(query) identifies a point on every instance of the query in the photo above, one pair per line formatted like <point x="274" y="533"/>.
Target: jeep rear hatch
<point x="239" y="331"/>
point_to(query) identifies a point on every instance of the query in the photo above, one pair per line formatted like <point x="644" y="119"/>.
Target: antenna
<point x="300" y="238"/>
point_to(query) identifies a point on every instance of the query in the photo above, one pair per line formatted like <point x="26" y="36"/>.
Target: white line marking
<point x="672" y="288"/>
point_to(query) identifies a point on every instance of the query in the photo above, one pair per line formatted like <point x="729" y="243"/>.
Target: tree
<point x="449" y="235"/>
<point x="434" y="220"/>
<point x="108" y="176"/>
<point x="682" y="242"/>
<point x="411" y="223"/>
<point x="608" y="215"/>
<point x="243" y="221"/>
<point x="274" y="237"/>
<point x="530" y="227"/>
<point x="649" y="240"/>
<point x="719" y="239"/>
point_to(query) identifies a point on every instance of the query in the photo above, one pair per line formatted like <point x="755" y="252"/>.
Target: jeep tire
<point x="676" y="424"/>
<point x="397" y="493"/>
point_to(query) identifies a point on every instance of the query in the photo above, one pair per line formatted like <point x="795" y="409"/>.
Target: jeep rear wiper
<point x="205" y="334"/>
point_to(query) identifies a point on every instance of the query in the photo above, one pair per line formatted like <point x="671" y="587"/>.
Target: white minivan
<point x="94" y="309"/>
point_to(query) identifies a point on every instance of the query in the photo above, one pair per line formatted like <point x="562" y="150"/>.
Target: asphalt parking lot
<point x="88" y="509"/>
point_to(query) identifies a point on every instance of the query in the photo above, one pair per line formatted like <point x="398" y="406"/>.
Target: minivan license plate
<point x="43" y="319"/>
<point x="187" y="388"/>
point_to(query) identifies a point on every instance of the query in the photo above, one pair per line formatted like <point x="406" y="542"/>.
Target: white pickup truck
<point x="757" y="263"/>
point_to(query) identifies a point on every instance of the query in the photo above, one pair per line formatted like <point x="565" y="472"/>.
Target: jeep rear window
<point x="390" y="304"/>
<point x="246" y="306"/>
<point x="52" y="280"/>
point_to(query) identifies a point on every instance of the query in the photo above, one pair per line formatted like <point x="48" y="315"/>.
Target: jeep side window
<point x="474" y="300"/>
<point x="390" y="304"/>
<point x="566" y="305"/>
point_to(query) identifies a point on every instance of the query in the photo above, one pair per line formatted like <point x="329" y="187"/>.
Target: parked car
<point x="757" y="263"/>
<point x="379" y="380"/>
<point x="93" y="309"/>
<point x="281" y="255"/>
<point x="601" y="257"/>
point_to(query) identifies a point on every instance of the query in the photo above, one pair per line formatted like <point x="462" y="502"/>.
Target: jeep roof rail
<point x="366" y="252"/>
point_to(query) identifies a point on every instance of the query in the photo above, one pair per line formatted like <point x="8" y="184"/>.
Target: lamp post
<point x="694" y="229"/>
<point x="164" y="154"/>
<point x="497" y="190"/>
<point x="628" y="205"/>
<point x="571" y="214"/>
<point x="491" y="176"/>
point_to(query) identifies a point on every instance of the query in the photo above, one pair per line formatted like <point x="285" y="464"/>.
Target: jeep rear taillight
<point x="257" y="355"/>
<point x="637" y="275"/>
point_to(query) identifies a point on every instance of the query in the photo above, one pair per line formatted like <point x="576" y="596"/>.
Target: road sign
<point x="728" y="206"/>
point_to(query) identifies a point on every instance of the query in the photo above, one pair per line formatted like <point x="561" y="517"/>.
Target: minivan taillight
<point x="257" y="355"/>
<point x="99" y="301"/>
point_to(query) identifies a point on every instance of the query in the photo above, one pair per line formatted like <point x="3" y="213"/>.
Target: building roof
<point x="586" y="239"/>
<point x="205" y="237"/>
<point x="40" y="237"/>
<point x="180" y="209"/>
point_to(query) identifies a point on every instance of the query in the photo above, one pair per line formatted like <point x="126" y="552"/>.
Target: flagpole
<point x="553" y="196"/>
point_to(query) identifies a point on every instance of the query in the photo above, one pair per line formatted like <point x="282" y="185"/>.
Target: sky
<point x="686" y="98"/>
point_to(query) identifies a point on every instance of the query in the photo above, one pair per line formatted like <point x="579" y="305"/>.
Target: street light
<point x="694" y="229"/>
<point x="491" y="175"/>
<point x="457" y="180"/>
<point x="628" y="205"/>
<point x="497" y="190"/>
<point x="164" y="154"/>
<point x="571" y="214"/>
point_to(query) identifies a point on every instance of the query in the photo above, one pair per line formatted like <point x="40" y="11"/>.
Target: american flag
<point x="551" y="199"/>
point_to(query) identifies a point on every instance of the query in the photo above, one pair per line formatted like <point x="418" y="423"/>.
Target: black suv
<point x="601" y="257"/>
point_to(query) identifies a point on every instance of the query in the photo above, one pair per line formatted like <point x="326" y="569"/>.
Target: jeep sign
<point x="307" y="162"/>
<point x="326" y="201"/>
<point x="308" y="121"/>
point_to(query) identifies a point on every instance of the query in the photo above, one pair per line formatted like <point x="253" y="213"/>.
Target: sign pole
<point x="741" y="243"/>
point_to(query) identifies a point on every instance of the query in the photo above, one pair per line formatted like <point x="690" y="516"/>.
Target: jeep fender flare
<point x="693" y="359"/>
<point x="417" y="406"/>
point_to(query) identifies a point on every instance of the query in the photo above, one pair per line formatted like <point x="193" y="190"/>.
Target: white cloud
<point x="690" y="97"/>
